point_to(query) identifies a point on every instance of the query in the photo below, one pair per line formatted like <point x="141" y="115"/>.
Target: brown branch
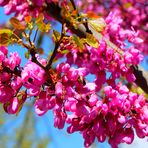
<point x="73" y="4"/>
<point x="16" y="71"/>
<point x="35" y="35"/>
<point x="141" y="77"/>
<point x="54" y="10"/>
<point x="34" y="59"/>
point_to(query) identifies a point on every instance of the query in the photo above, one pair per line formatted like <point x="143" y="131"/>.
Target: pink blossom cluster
<point x="9" y="84"/>
<point x="13" y="77"/>
<point x="131" y="13"/>
<point x="113" y="115"/>
<point x="98" y="109"/>
<point x="23" y="8"/>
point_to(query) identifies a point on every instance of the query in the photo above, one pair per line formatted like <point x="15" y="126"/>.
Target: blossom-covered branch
<point x="109" y="106"/>
<point x="55" y="11"/>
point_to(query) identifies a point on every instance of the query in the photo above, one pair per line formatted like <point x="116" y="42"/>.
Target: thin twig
<point x="31" y="48"/>
<point x="73" y="4"/>
<point x="35" y="35"/>
<point x="57" y="44"/>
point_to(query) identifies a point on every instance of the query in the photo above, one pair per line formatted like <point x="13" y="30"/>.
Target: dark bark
<point x="141" y="77"/>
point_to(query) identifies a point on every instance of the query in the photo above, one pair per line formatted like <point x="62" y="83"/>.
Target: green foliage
<point x="97" y="24"/>
<point x="78" y="42"/>
<point x="91" y="40"/>
<point x="43" y="27"/>
<point x="56" y="36"/>
<point x="5" y="36"/>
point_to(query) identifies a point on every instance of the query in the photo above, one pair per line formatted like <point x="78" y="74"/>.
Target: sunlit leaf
<point x="40" y="18"/>
<point x="30" y="26"/>
<point x="5" y="36"/>
<point x="91" y="40"/>
<point x="6" y="31"/>
<point x="97" y="24"/>
<point x="27" y="55"/>
<point x="138" y="90"/>
<point x="43" y="27"/>
<point x="4" y="39"/>
<point x="56" y="36"/>
<point x="64" y="51"/>
<point x="29" y="23"/>
<point x="78" y="42"/>
<point x="17" y="24"/>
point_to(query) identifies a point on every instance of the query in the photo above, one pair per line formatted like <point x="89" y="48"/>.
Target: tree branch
<point x="57" y="44"/>
<point x="141" y="77"/>
<point x="54" y="10"/>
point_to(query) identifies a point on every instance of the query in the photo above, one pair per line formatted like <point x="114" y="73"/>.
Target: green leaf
<point x="27" y="55"/>
<point x="43" y="27"/>
<point x="64" y="51"/>
<point x="97" y="24"/>
<point x="56" y="36"/>
<point x="91" y="40"/>
<point x="5" y="36"/>
<point x="4" y="39"/>
<point x="30" y="26"/>
<point x="78" y="42"/>
<point x="6" y="31"/>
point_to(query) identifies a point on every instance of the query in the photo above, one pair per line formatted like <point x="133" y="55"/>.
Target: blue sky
<point x="60" y="139"/>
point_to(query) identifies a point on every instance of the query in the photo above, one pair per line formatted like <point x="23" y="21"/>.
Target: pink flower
<point x="6" y="93"/>
<point x="58" y="89"/>
<point x="59" y="120"/>
<point x="3" y="53"/>
<point x="13" y="61"/>
<point x="44" y="103"/>
<point x="12" y="106"/>
<point x="93" y="100"/>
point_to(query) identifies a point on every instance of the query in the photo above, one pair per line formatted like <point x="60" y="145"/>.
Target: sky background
<point x="44" y="124"/>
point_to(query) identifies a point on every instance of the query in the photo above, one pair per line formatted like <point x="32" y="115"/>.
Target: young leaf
<point x="43" y="27"/>
<point x="6" y="31"/>
<point x="78" y="42"/>
<point x="64" y="51"/>
<point x="28" y="19"/>
<point x="56" y="36"/>
<point x="91" y="40"/>
<point x="5" y="36"/>
<point x="97" y="24"/>
<point x="16" y="24"/>
<point x="27" y="55"/>
<point x="4" y="39"/>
